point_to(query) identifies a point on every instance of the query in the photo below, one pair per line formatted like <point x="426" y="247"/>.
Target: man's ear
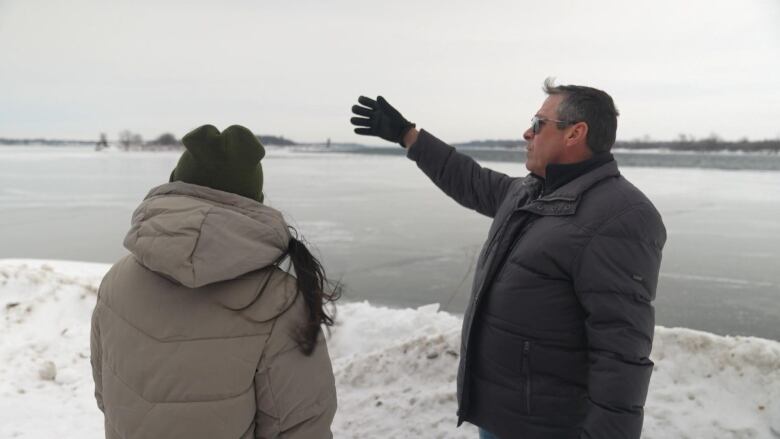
<point x="578" y="133"/>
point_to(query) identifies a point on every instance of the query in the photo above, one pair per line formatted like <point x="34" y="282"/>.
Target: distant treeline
<point x="274" y="140"/>
<point x="492" y="143"/>
<point x="703" y="145"/>
<point x="52" y="142"/>
<point x="129" y="140"/>
<point x="683" y="144"/>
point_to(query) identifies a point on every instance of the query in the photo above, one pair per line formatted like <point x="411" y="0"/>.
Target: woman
<point x="199" y="333"/>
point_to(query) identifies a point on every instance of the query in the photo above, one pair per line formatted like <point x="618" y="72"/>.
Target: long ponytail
<point x="312" y="286"/>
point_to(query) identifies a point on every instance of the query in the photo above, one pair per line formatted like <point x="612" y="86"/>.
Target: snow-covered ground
<point x="395" y="368"/>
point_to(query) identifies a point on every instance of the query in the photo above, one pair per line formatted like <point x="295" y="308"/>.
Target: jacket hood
<point x="197" y="236"/>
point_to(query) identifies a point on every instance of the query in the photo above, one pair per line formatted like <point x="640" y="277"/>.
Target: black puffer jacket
<point x="557" y="335"/>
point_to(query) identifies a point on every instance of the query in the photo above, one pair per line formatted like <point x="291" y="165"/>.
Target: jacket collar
<point x="565" y="199"/>
<point x="557" y="175"/>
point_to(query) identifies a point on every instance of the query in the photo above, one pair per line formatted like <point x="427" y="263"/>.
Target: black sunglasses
<point x="538" y="122"/>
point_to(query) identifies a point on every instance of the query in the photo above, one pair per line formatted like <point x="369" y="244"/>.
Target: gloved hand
<point x="381" y="120"/>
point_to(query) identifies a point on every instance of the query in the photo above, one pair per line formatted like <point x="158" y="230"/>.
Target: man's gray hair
<point x="590" y="105"/>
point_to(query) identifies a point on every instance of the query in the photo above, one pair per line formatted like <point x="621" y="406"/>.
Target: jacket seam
<point x="617" y="292"/>
<point x="197" y="241"/>
<point x="189" y="401"/>
<point x="577" y="261"/>
<point x="269" y="360"/>
<point x="176" y="341"/>
<point x="276" y="319"/>
<point x="443" y="168"/>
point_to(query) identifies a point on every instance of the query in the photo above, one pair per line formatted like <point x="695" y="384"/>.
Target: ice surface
<point x="379" y="225"/>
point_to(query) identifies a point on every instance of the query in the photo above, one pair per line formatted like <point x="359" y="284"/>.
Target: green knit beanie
<point x="229" y="161"/>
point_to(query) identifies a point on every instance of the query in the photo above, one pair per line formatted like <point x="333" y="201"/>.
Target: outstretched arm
<point x="458" y="175"/>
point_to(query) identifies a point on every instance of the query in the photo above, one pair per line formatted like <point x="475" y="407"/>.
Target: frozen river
<point x="393" y="238"/>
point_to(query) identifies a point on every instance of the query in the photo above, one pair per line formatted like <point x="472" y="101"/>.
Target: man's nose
<point x="528" y="134"/>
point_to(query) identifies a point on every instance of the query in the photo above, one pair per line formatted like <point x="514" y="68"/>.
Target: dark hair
<point x="311" y="284"/>
<point x="592" y="106"/>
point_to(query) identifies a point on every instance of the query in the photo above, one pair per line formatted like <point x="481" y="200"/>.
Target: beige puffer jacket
<point x="182" y="347"/>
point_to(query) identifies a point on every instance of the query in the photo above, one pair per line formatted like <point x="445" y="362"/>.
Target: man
<point x="559" y="328"/>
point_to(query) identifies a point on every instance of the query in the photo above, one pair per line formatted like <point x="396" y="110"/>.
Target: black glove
<point x="381" y="120"/>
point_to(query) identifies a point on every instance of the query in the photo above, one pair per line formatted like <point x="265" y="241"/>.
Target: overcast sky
<point x="460" y="69"/>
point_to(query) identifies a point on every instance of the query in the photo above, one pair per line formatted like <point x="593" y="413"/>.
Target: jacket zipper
<point x="527" y="367"/>
<point x="499" y="232"/>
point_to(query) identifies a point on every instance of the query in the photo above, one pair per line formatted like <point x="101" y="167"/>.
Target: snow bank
<point x="395" y="369"/>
